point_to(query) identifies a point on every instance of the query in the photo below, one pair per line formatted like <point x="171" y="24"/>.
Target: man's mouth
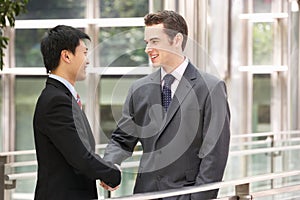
<point x="153" y="57"/>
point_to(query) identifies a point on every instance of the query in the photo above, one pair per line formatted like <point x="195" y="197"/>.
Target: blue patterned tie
<point x="166" y="92"/>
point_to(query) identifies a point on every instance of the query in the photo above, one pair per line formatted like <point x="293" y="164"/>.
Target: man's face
<point x="160" y="48"/>
<point x="81" y="61"/>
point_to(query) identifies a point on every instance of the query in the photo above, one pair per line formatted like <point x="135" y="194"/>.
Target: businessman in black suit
<point x="68" y="166"/>
<point x="179" y="114"/>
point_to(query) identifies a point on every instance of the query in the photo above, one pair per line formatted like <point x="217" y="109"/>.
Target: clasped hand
<point x="107" y="187"/>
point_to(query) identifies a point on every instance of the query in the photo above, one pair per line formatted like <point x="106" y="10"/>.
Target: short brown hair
<point x="173" y="23"/>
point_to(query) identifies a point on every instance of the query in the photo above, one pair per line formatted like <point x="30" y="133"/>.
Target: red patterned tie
<point x="79" y="101"/>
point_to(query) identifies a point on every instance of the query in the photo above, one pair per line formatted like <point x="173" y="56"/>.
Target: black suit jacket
<point x="186" y="146"/>
<point x="65" y="148"/>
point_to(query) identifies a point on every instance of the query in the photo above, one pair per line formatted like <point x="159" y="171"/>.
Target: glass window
<point x="122" y="47"/>
<point x="54" y="9"/>
<point x="261" y="115"/>
<point x="113" y="92"/>
<point x="263" y="38"/>
<point x="27" y="91"/>
<point x="27" y="47"/>
<point x="117" y="8"/>
<point x="261" y="103"/>
<point x="262" y="6"/>
<point x="158" y="5"/>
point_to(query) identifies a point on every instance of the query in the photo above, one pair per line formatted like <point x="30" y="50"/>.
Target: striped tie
<point x="79" y="101"/>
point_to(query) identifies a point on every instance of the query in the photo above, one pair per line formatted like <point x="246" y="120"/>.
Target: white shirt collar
<point x="178" y="72"/>
<point x="66" y="83"/>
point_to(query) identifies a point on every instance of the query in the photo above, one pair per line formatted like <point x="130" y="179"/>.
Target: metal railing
<point x="242" y="186"/>
<point x="286" y="141"/>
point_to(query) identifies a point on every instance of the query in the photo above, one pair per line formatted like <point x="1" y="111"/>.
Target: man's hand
<point x="106" y="187"/>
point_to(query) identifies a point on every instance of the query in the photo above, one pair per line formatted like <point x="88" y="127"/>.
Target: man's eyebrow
<point x="154" y="38"/>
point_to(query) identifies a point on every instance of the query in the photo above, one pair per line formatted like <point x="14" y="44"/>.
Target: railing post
<point x="107" y="194"/>
<point x="243" y="191"/>
<point x="3" y="160"/>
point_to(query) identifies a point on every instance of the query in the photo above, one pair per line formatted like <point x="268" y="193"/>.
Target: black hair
<point x="57" y="39"/>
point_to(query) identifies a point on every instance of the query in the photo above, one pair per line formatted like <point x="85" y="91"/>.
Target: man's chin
<point x="81" y="78"/>
<point x="155" y="65"/>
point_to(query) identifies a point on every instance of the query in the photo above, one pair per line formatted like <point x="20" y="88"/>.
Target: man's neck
<point x="177" y="62"/>
<point x="64" y="76"/>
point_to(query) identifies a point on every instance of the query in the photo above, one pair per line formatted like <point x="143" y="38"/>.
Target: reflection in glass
<point x="263" y="38"/>
<point x="54" y="9"/>
<point x="27" y="47"/>
<point x="117" y="8"/>
<point x="122" y="47"/>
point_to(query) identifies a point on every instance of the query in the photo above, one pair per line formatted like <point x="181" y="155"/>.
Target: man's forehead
<point x="153" y="31"/>
<point x="84" y="43"/>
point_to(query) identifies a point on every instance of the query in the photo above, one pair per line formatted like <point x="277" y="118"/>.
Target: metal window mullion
<point x="8" y="105"/>
<point x="92" y="108"/>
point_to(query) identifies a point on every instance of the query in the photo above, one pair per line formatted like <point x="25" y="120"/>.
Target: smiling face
<point x="80" y="61"/>
<point x="160" y="48"/>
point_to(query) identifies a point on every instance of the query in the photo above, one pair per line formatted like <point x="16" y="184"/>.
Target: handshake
<point x="107" y="187"/>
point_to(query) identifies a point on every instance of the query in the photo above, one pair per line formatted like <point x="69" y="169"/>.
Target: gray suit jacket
<point x="186" y="146"/>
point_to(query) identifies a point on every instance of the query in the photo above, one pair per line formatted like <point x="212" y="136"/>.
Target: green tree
<point x="8" y="11"/>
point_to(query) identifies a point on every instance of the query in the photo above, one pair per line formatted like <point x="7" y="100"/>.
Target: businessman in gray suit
<point x="179" y="114"/>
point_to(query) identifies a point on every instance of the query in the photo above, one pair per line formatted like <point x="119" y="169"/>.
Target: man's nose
<point x="148" y="49"/>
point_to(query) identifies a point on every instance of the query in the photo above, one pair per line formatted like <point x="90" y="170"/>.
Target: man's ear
<point x="178" y="39"/>
<point x="65" y="56"/>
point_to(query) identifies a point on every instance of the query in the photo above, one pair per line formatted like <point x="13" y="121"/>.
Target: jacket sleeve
<point x="60" y="128"/>
<point x="216" y="139"/>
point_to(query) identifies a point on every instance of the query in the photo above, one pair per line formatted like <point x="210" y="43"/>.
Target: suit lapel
<point x="155" y="96"/>
<point x="186" y="84"/>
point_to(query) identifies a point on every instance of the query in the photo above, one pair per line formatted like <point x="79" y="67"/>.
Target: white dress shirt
<point x="177" y="73"/>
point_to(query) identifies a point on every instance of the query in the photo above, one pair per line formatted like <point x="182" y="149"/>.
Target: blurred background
<point x="251" y="44"/>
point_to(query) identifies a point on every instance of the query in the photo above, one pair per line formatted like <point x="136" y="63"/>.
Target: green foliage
<point x="8" y="11"/>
